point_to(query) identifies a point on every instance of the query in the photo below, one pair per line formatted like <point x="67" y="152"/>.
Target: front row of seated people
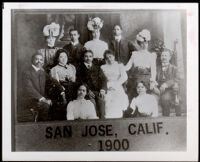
<point x="92" y="92"/>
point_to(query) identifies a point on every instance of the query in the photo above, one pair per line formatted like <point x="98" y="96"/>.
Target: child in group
<point x="144" y="105"/>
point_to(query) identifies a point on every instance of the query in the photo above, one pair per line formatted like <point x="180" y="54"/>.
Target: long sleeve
<point x="130" y="62"/>
<point x="74" y="73"/>
<point x="174" y="76"/>
<point x="54" y="74"/>
<point x="154" y="107"/>
<point x="70" y="114"/>
<point x="123" y="74"/>
<point x="153" y="66"/>
<point x="91" y="111"/>
<point x="31" y="91"/>
<point x="102" y="79"/>
<point x="133" y="105"/>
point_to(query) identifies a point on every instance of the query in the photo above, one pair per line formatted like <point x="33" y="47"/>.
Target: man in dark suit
<point x="74" y="48"/>
<point x="121" y="47"/>
<point x="91" y="75"/>
<point x="168" y="81"/>
<point x="37" y="83"/>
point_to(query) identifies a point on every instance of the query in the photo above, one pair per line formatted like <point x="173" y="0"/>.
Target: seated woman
<point x="65" y="73"/>
<point x="116" y="99"/>
<point x="144" y="105"/>
<point x="81" y="108"/>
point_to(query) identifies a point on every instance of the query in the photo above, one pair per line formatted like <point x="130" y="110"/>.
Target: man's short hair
<point x="117" y="25"/>
<point x="34" y="55"/>
<point x="90" y="51"/>
<point x="73" y="29"/>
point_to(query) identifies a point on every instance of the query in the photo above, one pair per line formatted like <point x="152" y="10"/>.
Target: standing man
<point x="74" y="48"/>
<point x="92" y="75"/>
<point x="121" y="47"/>
<point x="36" y="85"/>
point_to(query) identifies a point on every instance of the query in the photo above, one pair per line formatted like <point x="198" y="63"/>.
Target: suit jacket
<point x="36" y="84"/>
<point x="93" y="77"/>
<point x="123" y="53"/>
<point x="75" y="53"/>
<point x="170" y="77"/>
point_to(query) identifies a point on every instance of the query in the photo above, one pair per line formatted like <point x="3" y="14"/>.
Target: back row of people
<point x="105" y="75"/>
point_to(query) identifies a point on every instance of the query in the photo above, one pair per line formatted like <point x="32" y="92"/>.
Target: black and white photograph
<point x="97" y="77"/>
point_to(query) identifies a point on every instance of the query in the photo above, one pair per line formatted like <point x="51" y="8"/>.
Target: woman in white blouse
<point x="64" y="73"/>
<point x="116" y="99"/>
<point x="81" y="108"/>
<point x="142" y="64"/>
<point x="144" y="105"/>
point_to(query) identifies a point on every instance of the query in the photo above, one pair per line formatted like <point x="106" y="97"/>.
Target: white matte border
<point x="192" y="88"/>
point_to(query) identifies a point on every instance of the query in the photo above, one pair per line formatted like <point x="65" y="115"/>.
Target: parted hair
<point x="110" y="52"/>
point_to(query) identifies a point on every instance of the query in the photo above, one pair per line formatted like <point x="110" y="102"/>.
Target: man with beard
<point x="36" y="85"/>
<point x="90" y="74"/>
<point x="168" y="85"/>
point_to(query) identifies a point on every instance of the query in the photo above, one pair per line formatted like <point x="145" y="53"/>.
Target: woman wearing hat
<point x="51" y="32"/>
<point x="142" y="64"/>
<point x="97" y="46"/>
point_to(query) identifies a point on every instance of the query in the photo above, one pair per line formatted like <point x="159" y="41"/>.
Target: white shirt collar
<point x="36" y="68"/>
<point x="74" y="43"/>
<point x="86" y="64"/>
<point x="118" y="38"/>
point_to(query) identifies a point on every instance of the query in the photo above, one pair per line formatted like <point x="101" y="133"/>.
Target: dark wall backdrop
<point x="28" y="27"/>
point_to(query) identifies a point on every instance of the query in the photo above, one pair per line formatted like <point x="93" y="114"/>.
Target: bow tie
<point x="63" y="66"/>
<point x="51" y="47"/>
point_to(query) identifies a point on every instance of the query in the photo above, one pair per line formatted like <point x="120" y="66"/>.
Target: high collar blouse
<point x="81" y="109"/>
<point x="61" y="73"/>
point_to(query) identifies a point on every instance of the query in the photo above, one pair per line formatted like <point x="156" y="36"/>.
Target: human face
<point x="38" y="61"/>
<point x="74" y="36"/>
<point x="63" y="58"/>
<point x="82" y="91"/>
<point x="165" y="57"/>
<point x="88" y="57"/>
<point x="51" y="41"/>
<point x="110" y="58"/>
<point x="96" y="34"/>
<point x="117" y="30"/>
<point x="141" y="89"/>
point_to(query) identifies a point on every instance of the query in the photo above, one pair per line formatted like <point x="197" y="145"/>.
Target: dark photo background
<point x="28" y="36"/>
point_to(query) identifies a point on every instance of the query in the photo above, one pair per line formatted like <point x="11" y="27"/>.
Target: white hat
<point x="144" y="35"/>
<point x="51" y="30"/>
<point x="95" y="24"/>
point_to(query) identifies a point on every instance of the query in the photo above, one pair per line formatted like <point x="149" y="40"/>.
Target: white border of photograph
<point x="192" y="88"/>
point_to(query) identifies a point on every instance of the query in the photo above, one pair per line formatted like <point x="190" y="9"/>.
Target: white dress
<point x="116" y="99"/>
<point x="146" y="104"/>
<point x="98" y="47"/>
<point x="81" y="109"/>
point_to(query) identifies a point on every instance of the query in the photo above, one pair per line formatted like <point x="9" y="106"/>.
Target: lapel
<point x="113" y="43"/>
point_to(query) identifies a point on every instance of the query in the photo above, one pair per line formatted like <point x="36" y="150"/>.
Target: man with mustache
<point x="36" y="86"/>
<point x="168" y="81"/>
<point x="90" y="74"/>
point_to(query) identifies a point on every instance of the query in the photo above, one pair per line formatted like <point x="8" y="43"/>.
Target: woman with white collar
<point x="64" y="73"/>
<point x="81" y="108"/>
<point x="116" y="100"/>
